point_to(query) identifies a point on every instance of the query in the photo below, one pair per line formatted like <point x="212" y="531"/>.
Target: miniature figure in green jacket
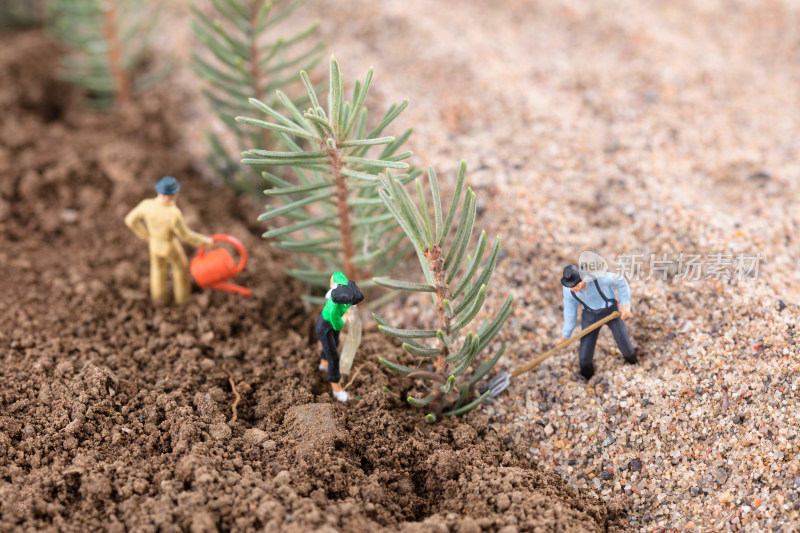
<point x="159" y="222"/>
<point x="342" y="295"/>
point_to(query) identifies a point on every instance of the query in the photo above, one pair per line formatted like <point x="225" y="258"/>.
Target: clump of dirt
<point x="114" y="413"/>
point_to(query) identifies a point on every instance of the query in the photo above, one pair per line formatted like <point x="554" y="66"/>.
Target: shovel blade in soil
<point x="351" y="342"/>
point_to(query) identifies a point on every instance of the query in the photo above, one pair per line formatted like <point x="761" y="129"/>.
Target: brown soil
<point x="114" y="413"/>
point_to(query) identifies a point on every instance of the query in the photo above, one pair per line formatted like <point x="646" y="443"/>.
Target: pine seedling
<point x="458" y="287"/>
<point x="244" y="58"/>
<point x="106" y="42"/>
<point x="336" y="217"/>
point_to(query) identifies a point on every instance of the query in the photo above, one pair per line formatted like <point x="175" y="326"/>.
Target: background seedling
<point x="107" y="46"/>
<point x="244" y="56"/>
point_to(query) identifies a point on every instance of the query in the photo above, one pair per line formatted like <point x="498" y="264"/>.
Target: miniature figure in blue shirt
<point x="595" y="294"/>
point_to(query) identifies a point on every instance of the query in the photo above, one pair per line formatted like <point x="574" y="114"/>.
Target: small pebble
<point x="69" y="216"/>
<point x="719" y="475"/>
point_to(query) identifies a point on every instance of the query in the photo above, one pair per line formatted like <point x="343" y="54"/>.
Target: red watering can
<point x="215" y="268"/>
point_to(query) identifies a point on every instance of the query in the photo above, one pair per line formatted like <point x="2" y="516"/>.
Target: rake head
<point x="497" y="384"/>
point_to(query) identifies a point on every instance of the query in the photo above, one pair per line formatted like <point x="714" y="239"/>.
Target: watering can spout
<point x="231" y="287"/>
<point x="213" y="269"/>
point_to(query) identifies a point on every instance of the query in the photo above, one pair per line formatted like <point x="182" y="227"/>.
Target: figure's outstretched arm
<point x="624" y="292"/>
<point x="188" y="236"/>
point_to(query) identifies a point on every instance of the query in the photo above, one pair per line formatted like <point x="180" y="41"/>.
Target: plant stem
<point x="121" y="78"/>
<point x="348" y="248"/>
<point x="442" y="293"/>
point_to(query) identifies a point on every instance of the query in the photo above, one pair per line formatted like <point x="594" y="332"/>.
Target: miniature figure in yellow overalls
<point x="159" y="221"/>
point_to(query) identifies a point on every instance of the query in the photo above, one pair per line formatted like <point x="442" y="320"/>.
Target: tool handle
<point x="233" y="241"/>
<point x="527" y="366"/>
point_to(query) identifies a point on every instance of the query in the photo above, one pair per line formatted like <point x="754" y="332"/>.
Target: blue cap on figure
<point x="168" y="186"/>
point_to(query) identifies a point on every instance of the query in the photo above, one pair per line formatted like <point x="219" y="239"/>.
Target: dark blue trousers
<point x="329" y="338"/>
<point x="618" y="329"/>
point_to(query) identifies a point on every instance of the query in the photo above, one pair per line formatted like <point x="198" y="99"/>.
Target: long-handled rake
<point x="502" y="381"/>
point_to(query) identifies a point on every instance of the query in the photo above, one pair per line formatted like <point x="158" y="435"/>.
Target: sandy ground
<point x="645" y="128"/>
<point x="648" y="128"/>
